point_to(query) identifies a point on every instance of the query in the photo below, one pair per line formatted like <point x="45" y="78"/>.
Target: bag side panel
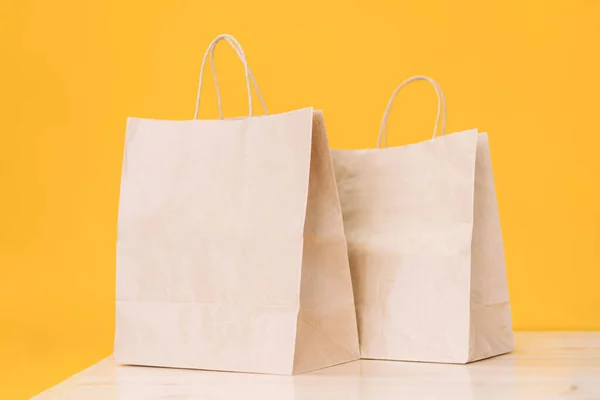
<point x="491" y="320"/>
<point x="327" y="332"/>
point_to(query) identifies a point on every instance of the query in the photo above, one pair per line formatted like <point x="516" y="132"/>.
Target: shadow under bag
<point x="231" y="252"/>
<point x="425" y="247"/>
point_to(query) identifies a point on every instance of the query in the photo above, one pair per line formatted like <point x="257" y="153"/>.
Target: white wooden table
<point x="544" y="366"/>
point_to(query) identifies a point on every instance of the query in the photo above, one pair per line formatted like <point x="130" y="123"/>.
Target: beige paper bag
<point x="425" y="248"/>
<point x="231" y="253"/>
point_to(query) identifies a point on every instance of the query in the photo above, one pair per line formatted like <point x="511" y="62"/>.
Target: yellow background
<point x="71" y="72"/>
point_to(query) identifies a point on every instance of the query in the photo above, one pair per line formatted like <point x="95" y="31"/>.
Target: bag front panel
<point x="211" y="221"/>
<point x="408" y="218"/>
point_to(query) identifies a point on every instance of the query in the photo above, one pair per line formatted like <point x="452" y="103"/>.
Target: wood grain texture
<point x="545" y="365"/>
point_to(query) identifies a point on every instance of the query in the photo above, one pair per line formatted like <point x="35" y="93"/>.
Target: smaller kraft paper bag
<point x="425" y="247"/>
<point x="231" y="253"/>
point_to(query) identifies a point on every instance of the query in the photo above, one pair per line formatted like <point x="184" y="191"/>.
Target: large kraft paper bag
<point x="425" y="247"/>
<point x="231" y="253"/>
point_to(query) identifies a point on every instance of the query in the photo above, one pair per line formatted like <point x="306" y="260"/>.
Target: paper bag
<point x="425" y="248"/>
<point x="231" y="252"/>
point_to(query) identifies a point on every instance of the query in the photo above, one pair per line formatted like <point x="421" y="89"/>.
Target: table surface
<point x="545" y="365"/>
